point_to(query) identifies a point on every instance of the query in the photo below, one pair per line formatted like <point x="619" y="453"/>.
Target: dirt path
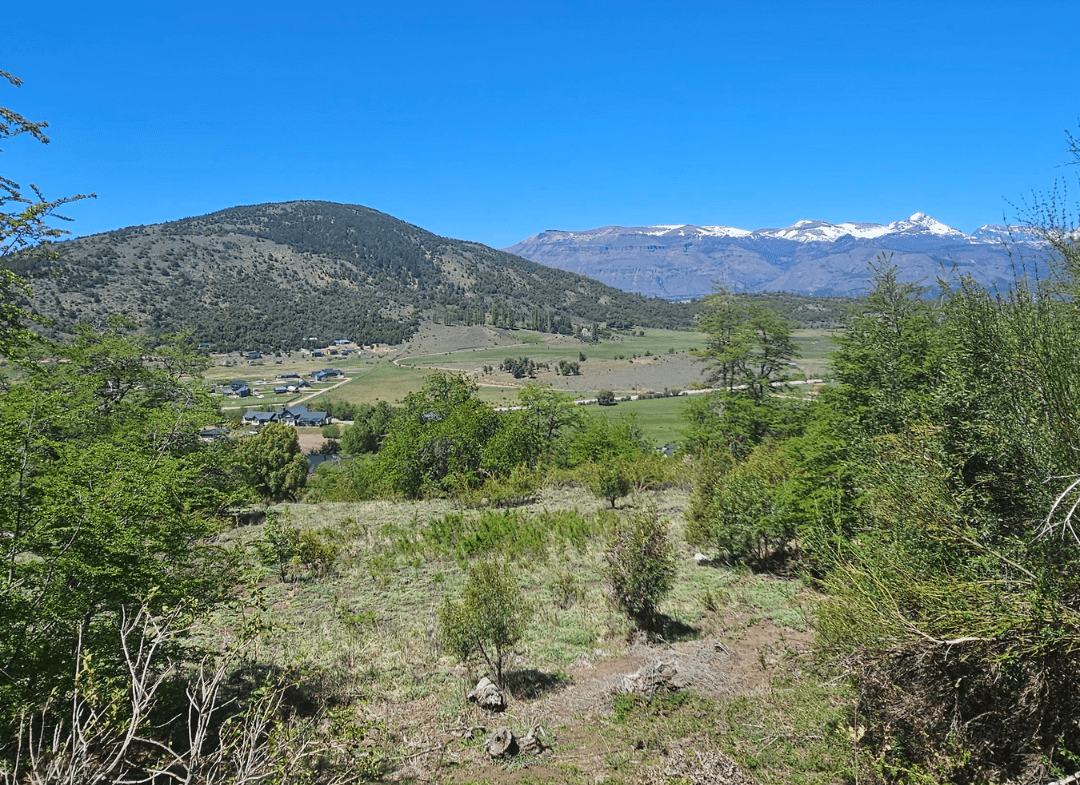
<point x="739" y="660"/>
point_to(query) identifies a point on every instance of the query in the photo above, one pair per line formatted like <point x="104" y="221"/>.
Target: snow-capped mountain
<point x="810" y="257"/>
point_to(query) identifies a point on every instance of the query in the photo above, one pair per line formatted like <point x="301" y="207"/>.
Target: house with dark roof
<point x="259" y="418"/>
<point x="290" y="414"/>
<point x="312" y="420"/>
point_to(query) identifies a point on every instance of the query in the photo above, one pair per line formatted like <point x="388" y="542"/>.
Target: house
<point x="213" y="434"/>
<point x="290" y="414"/>
<point x="236" y="384"/>
<point x="300" y="416"/>
<point x="243" y="392"/>
<point x="259" y="418"/>
<point x="254" y="355"/>
<point x="318" y="353"/>
<point x="333" y="372"/>
<point x="319" y="376"/>
<point x="312" y="420"/>
<point x="281" y="390"/>
<point x="288" y="376"/>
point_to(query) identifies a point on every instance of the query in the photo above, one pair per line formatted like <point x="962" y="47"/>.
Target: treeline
<point x="445" y="441"/>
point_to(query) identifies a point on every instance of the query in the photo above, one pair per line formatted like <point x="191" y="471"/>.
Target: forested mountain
<point x="272" y="276"/>
<point x="809" y="257"/>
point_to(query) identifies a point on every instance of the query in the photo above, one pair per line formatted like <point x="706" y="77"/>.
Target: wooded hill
<point x="272" y="276"/>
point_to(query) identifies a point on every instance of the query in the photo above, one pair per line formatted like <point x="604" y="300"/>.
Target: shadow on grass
<point x="674" y="630"/>
<point x="530" y="683"/>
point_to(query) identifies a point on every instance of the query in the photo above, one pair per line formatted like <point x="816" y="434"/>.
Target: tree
<point x="24" y="224"/>
<point x="548" y="413"/>
<point x="891" y="355"/>
<point x="107" y="501"/>
<point x="749" y="347"/>
<point x="605" y="398"/>
<point x="272" y="463"/>
<point x="488" y="618"/>
<point x="438" y="440"/>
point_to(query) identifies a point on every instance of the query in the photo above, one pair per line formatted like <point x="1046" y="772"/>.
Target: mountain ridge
<point x="274" y="275"/>
<point x="683" y="261"/>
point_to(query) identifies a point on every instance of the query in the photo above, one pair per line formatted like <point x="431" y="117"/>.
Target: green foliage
<point x="891" y="355"/>
<point x="600" y="439"/>
<point x="749" y="345"/>
<point x="271" y="462"/>
<point x="605" y="398"/>
<point x="108" y="500"/>
<point x="749" y="511"/>
<point x="369" y="425"/>
<point x="488" y="618"/>
<point x="437" y="443"/>
<point x="331" y="431"/>
<point x="952" y="589"/>
<point x="610" y="480"/>
<point x="280" y="542"/>
<point x="640" y="566"/>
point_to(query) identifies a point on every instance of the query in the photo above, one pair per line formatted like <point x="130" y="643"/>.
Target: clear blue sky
<point x="494" y="121"/>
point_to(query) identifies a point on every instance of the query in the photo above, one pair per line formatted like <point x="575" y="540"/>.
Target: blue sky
<point x="494" y="121"/>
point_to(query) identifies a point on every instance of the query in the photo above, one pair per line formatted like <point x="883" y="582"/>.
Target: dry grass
<point x="364" y="634"/>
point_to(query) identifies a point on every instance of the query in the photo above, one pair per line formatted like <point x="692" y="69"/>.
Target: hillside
<point x="274" y="276"/>
<point x="810" y="257"/>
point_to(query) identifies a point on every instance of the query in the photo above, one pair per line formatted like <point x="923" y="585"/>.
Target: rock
<point x="702" y="559"/>
<point x="501" y="743"/>
<point x="653" y="678"/>
<point x="487" y="696"/>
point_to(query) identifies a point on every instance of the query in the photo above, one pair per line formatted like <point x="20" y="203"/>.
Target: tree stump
<point x="501" y="743"/>
<point x="487" y="696"/>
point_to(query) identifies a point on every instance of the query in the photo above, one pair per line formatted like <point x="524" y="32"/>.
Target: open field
<point x="659" y="418"/>
<point x="754" y="701"/>
<point x="654" y="361"/>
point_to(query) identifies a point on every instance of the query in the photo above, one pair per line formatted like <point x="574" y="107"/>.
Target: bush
<point x="279" y="543"/>
<point x="488" y="619"/>
<point x="605" y="398"/>
<point x="640" y="566"/>
<point x="746" y="511"/>
<point x="610" y="481"/>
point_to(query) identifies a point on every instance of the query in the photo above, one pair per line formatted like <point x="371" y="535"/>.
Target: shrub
<point x="488" y="619"/>
<point x="279" y="542"/>
<point x="747" y="512"/>
<point x="610" y="481"/>
<point x="605" y="398"/>
<point x="640" y="566"/>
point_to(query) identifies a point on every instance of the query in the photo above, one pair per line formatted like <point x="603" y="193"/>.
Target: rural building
<point x="259" y="418"/>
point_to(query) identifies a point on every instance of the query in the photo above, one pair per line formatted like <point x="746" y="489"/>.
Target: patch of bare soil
<point x="735" y="662"/>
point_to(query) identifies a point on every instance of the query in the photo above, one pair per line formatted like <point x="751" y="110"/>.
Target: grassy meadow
<point x="629" y="364"/>
<point x="362" y="635"/>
